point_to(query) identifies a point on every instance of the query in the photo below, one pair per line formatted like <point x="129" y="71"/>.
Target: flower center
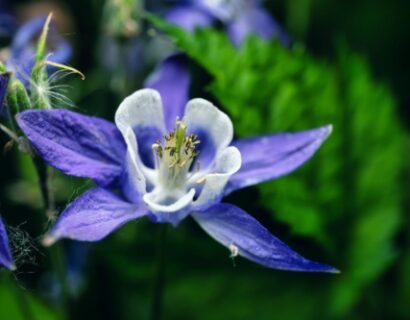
<point x="174" y="159"/>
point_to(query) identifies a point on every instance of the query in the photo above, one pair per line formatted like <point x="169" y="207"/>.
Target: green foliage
<point x="19" y="304"/>
<point x="348" y="197"/>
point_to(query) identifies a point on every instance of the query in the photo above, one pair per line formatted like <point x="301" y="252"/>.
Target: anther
<point x="201" y="180"/>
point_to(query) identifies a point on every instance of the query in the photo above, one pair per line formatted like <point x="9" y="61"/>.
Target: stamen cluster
<point x="177" y="155"/>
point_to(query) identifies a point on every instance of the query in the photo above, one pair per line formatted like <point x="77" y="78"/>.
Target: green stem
<point x="42" y="172"/>
<point x="23" y="302"/>
<point x="12" y="123"/>
<point x="159" y="281"/>
<point x="56" y="252"/>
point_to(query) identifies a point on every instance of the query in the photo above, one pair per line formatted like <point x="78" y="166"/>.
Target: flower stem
<point x="56" y="252"/>
<point x="159" y="281"/>
<point x="43" y="179"/>
<point x="22" y="300"/>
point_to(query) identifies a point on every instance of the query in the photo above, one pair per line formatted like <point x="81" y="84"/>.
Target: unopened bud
<point x="17" y="97"/>
<point x="2" y="68"/>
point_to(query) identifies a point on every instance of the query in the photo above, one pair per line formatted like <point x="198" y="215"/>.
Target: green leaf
<point x="347" y="198"/>
<point x="18" y="303"/>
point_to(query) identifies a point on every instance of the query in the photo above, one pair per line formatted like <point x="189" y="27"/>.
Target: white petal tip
<point x="335" y="271"/>
<point x="48" y="240"/>
<point x="329" y="129"/>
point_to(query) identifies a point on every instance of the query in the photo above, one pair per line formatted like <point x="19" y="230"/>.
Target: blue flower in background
<point x="169" y="162"/>
<point x="23" y="49"/>
<point x="6" y="260"/>
<point x="7" y="23"/>
<point x="240" y="17"/>
<point x="4" y="81"/>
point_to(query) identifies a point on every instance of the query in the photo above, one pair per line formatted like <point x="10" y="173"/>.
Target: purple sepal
<point x="172" y="79"/>
<point x="255" y="20"/>
<point x="268" y="157"/>
<point x="4" y="81"/>
<point x="6" y="259"/>
<point x="189" y="17"/>
<point x="94" y="215"/>
<point x="243" y="235"/>
<point x="75" y="144"/>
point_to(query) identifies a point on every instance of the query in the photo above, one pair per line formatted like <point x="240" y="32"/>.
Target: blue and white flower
<point x="168" y="163"/>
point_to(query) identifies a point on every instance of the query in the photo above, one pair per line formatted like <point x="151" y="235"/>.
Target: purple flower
<point x="167" y="173"/>
<point x="23" y="49"/>
<point x="6" y="260"/>
<point x="241" y="18"/>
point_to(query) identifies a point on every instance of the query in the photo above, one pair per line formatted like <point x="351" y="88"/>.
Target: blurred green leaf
<point x="15" y="299"/>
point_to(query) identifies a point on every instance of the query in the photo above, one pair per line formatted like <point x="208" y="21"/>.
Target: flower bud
<point x="17" y="97"/>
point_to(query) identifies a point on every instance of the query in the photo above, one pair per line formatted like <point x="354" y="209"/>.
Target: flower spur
<point x="167" y="170"/>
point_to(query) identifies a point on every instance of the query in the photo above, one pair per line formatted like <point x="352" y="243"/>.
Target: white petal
<point x="226" y="164"/>
<point x="151" y="200"/>
<point x="201" y="115"/>
<point x="141" y="109"/>
<point x="135" y="167"/>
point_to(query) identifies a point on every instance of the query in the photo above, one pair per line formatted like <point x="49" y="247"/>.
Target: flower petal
<point x="135" y="183"/>
<point x="142" y="112"/>
<point x="142" y="109"/>
<point x="212" y="126"/>
<point x="93" y="216"/>
<point x="226" y="164"/>
<point x="188" y="17"/>
<point x="243" y="235"/>
<point x="75" y="144"/>
<point x="269" y="157"/>
<point x="222" y="10"/>
<point x="172" y="79"/>
<point x="6" y="259"/>
<point x="182" y="202"/>
<point x="173" y="212"/>
<point x="255" y="21"/>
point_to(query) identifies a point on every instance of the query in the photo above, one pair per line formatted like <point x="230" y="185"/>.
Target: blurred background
<point x="338" y="62"/>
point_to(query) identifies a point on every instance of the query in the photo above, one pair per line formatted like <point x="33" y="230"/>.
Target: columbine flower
<point x="241" y="18"/>
<point x="168" y="164"/>
<point x="6" y="260"/>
